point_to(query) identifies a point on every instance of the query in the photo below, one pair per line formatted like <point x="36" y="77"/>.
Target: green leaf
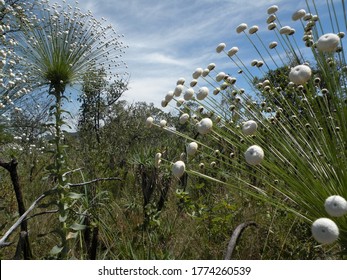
<point x="56" y="250"/>
<point x="78" y="227"/>
<point x="75" y="195"/>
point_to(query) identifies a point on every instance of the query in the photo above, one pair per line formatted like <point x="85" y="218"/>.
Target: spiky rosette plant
<point x="283" y="140"/>
<point x="58" y="49"/>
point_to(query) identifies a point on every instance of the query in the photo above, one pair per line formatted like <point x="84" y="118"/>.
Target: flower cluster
<point x="288" y="127"/>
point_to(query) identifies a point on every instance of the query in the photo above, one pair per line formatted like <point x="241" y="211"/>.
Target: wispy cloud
<point x="169" y="39"/>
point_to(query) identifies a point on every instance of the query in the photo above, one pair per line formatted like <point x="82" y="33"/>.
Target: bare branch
<point x="3" y="242"/>
<point x="234" y="237"/>
<point x="94" y="181"/>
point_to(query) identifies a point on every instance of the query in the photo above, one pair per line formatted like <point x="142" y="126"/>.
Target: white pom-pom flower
<point x="254" y="155"/>
<point x="178" y="90"/>
<point x="249" y="127"/>
<point x="169" y="96"/>
<point x="325" y="231"/>
<point x="192" y="148"/>
<point x="242" y="27"/>
<point x="163" y="123"/>
<point x="336" y="206"/>
<point x="205" y="72"/>
<point x="211" y="66"/>
<point x="197" y="73"/>
<point x="202" y="93"/>
<point x="298" y="14"/>
<point x="220" y="76"/>
<point x="328" y="42"/>
<point x="273" y="9"/>
<point x="204" y="126"/>
<point x="180" y="81"/>
<point x="220" y="47"/>
<point x="193" y="83"/>
<point x="149" y="121"/>
<point x="273" y="45"/>
<point x="233" y="51"/>
<point x="188" y="95"/>
<point x="300" y="74"/>
<point x="285" y="30"/>
<point x="253" y="29"/>
<point x="178" y="169"/>
<point x="184" y="118"/>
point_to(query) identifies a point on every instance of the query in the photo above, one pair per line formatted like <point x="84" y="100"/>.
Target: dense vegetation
<point x="110" y="190"/>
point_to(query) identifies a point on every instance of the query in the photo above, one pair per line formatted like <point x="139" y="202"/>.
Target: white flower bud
<point x="163" y="123"/>
<point x="233" y="51"/>
<point x="204" y="126"/>
<point x="285" y="30"/>
<point x="178" y="90"/>
<point x="273" y="45"/>
<point x="328" y="42"/>
<point x="271" y="18"/>
<point x="180" y="81"/>
<point x="169" y="96"/>
<point x="178" y="169"/>
<point x="253" y="29"/>
<point x="273" y="9"/>
<point x="184" y="118"/>
<point x="249" y="127"/>
<point x="242" y="27"/>
<point x="254" y="155"/>
<point x="325" y="231"/>
<point x="149" y="121"/>
<point x="188" y="95"/>
<point x="211" y="66"/>
<point x="220" y="76"/>
<point x="298" y="14"/>
<point x="192" y="148"/>
<point x="202" y="93"/>
<point x="220" y="47"/>
<point x="205" y="72"/>
<point x="197" y="73"/>
<point x="300" y="74"/>
<point x="336" y="206"/>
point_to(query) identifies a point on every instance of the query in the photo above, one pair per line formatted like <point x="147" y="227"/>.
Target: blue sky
<point x="170" y="39"/>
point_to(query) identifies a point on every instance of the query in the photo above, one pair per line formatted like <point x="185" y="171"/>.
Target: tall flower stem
<point x="57" y="92"/>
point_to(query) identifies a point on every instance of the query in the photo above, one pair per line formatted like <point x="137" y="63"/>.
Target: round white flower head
<point x="271" y="18"/>
<point x="216" y="91"/>
<point x="189" y="93"/>
<point x="273" y="9"/>
<point x="211" y="66"/>
<point x="253" y="29"/>
<point x="220" y="76"/>
<point x="285" y="30"/>
<point x="336" y="206"/>
<point x="169" y="96"/>
<point x="325" y="231"/>
<point x="184" y="118"/>
<point x="272" y="26"/>
<point x="328" y="42"/>
<point x="197" y="73"/>
<point x="178" y="169"/>
<point x="192" y="148"/>
<point x="180" y="102"/>
<point x="178" y="90"/>
<point x="233" y="51"/>
<point x="298" y="14"/>
<point x="300" y="74"/>
<point x="180" y="81"/>
<point x="254" y="155"/>
<point x="242" y="27"/>
<point x="220" y="47"/>
<point x="164" y="103"/>
<point x="204" y="126"/>
<point x="249" y="127"/>
<point x="193" y="83"/>
<point x="149" y="121"/>
<point x="205" y="72"/>
<point x="163" y="123"/>
<point x="273" y="45"/>
<point x="202" y="93"/>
